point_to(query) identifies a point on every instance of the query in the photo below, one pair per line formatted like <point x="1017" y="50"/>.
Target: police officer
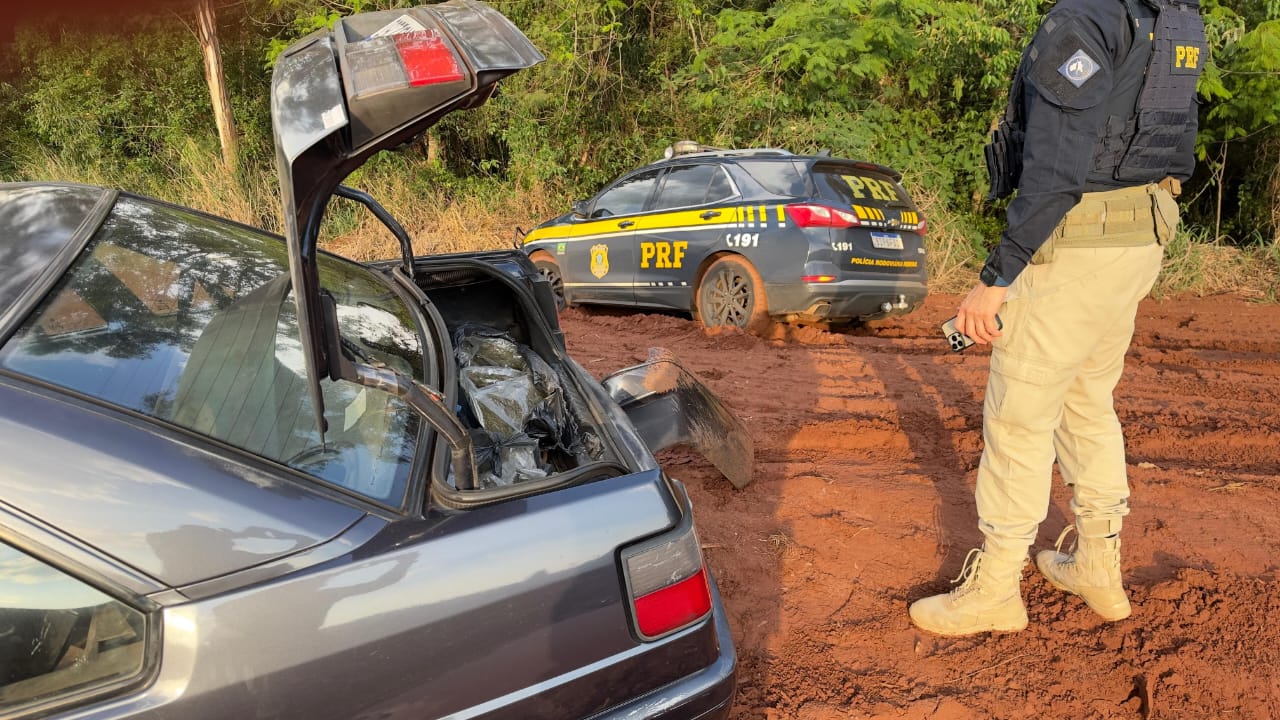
<point x="1098" y="135"/>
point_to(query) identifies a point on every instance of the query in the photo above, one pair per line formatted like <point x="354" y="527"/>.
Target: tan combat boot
<point x="988" y="599"/>
<point x="1092" y="569"/>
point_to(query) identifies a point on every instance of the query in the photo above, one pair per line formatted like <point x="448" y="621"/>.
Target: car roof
<point x="745" y="152"/>
<point x="42" y="224"/>
<point x="767" y="154"/>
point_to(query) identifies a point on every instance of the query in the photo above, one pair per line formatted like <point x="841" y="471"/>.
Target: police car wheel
<point x="731" y="293"/>
<point x="550" y="271"/>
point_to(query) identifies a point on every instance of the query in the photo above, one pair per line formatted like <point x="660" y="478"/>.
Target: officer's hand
<point x="977" y="314"/>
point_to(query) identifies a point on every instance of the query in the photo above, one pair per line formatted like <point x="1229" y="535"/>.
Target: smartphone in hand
<point x="958" y="340"/>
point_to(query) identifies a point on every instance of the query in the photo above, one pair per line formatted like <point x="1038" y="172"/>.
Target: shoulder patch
<point x="1067" y="68"/>
<point x="1078" y="68"/>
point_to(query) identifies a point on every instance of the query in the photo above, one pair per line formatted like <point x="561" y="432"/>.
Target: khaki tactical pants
<point x="1068" y="320"/>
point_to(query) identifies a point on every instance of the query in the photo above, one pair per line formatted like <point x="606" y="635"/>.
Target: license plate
<point x="886" y="241"/>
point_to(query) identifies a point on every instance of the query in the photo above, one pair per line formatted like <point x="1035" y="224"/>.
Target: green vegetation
<point x="913" y="84"/>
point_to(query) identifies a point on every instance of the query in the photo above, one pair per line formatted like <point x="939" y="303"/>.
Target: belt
<point x="1124" y="217"/>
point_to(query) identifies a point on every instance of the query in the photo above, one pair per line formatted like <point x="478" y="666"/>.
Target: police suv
<point x="742" y="237"/>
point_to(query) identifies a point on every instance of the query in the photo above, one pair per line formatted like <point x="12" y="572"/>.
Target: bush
<point x="914" y="84"/>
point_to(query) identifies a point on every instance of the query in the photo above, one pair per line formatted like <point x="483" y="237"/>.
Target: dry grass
<point x="201" y="182"/>
<point x="52" y="168"/>
<point x="195" y="179"/>
<point x="778" y="543"/>
<point x="485" y="217"/>
<point x="1195" y="266"/>
<point x="439" y="224"/>
<point x="951" y="258"/>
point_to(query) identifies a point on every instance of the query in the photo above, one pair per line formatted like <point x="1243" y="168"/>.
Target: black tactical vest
<point x="1148" y="111"/>
<point x="1159" y="111"/>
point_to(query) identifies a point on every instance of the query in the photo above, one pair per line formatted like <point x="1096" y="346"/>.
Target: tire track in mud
<point x="867" y="444"/>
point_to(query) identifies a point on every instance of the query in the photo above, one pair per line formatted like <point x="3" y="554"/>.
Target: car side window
<point x="192" y="320"/>
<point x="60" y="636"/>
<point x="720" y="187"/>
<point x="691" y="185"/>
<point x="780" y="177"/>
<point x="627" y="197"/>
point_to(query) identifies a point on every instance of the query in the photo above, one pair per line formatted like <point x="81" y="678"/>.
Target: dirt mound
<point x="867" y="443"/>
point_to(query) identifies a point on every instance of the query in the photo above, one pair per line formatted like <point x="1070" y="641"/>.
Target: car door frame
<point x="692" y="224"/>
<point x="609" y="279"/>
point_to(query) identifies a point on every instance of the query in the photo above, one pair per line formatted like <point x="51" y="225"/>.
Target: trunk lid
<point x="888" y="239"/>
<point x="374" y="81"/>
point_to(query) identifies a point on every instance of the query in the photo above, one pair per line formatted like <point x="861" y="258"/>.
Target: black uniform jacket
<point x="1064" y="121"/>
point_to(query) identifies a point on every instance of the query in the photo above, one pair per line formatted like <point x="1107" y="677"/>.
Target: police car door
<point x="685" y="224"/>
<point x="600" y="265"/>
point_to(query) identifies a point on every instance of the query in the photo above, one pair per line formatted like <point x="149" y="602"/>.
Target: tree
<point x="207" y="33"/>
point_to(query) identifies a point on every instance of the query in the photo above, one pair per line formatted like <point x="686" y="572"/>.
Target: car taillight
<point x="817" y="278"/>
<point x="922" y="227"/>
<point x="426" y="59"/>
<point x="667" y="583"/>
<point x="403" y="54"/>
<point x="811" y="215"/>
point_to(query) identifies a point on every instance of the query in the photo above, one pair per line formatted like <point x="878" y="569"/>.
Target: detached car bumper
<point x="845" y="300"/>
<point x="706" y="695"/>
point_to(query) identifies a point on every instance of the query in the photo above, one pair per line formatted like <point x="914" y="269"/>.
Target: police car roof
<point x="726" y="153"/>
<point x="777" y="152"/>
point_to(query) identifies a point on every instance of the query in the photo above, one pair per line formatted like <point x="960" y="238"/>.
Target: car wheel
<point x="731" y="293"/>
<point x="550" y="270"/>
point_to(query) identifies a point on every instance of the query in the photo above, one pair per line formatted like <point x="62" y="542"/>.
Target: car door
<point x="600" y="265"/>
<point x="687" y="221"/>
<point x="76" y="629"/>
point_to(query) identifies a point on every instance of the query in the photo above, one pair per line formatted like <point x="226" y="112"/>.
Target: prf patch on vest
<point x="1186" y="59"/>
<point x="1067" y="69"/>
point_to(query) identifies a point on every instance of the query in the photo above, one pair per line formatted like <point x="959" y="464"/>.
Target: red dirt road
<point x="867" y="445"/>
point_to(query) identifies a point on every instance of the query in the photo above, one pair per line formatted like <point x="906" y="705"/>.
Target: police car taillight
<point x="812" y="215"/>
<point x="667" y="584"/>
<point x="413" y="58"/>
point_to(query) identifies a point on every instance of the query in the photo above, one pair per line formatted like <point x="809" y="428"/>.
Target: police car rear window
<point x="855" y="185"/>
<point x="780" y="177"/>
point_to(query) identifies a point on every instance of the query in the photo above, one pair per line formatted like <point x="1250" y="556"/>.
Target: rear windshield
<point x="858" y="186"/>
<point x="191" y="320"/>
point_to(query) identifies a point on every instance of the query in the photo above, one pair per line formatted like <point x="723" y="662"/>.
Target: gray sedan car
<point x="241" y="477"/>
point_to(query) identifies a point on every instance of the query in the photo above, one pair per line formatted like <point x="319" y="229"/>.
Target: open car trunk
<point x="374" y="82"/>
<point x="520" y="402"/>
<point x="534" y="417"/>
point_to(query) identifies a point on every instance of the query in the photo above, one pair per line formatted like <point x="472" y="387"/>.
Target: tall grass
<point x="949" y="243"/>
<point x="438" y="217"/>
<point x="1195" y="265"/>
<point x="443" y="215"/>
<point x="250" y="196"/>
<point x="193" y="177"/>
